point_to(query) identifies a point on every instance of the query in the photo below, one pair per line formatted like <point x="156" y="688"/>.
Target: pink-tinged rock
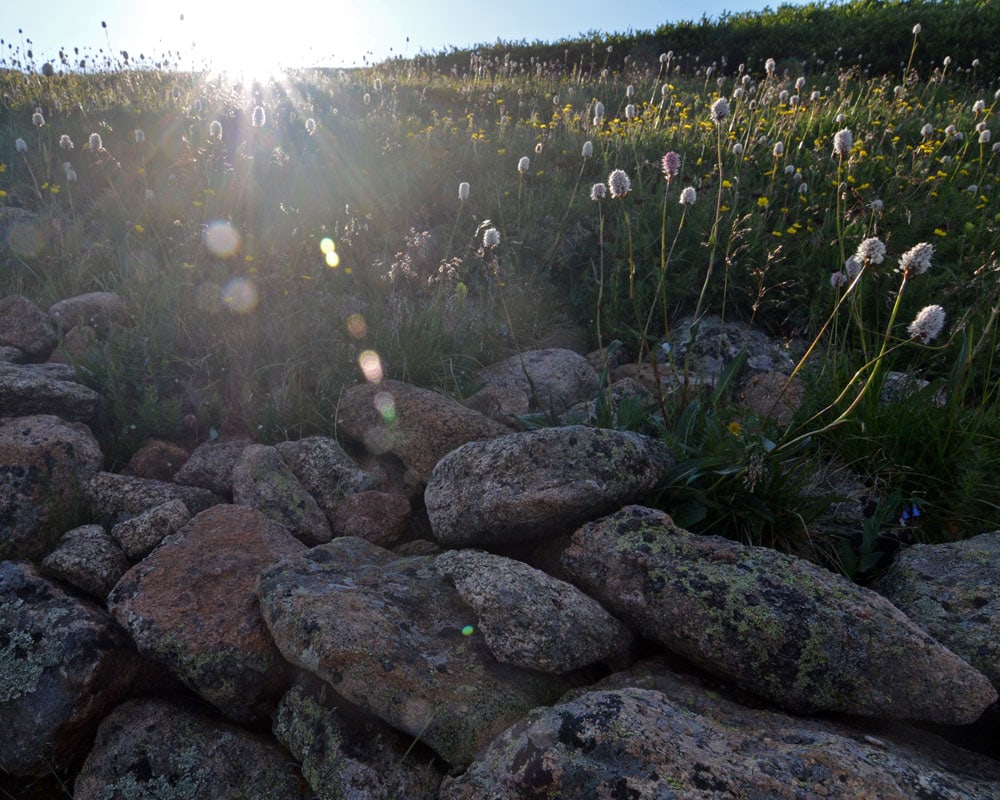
<point x="63" y="665"/>
<point x="157" y="460"/>
<point x="25" y="326"/>
<point x="44" y="462"/>
<point x="99" y="310"/>
<point x="89" y="559"/>
<point x="190" y="605"/>
<point x="376" y="516"/>
<point x="778" y="626"/>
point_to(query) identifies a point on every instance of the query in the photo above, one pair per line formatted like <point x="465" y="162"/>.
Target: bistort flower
<point x="37" y="119"/>
<point x="928" y="323"/>
<point x="215" y="129"/>
<point x="671" y="164"/>
<point x="598" y="191"/>
<point x="688" y="196"/>
<point x="523" y="164"/>
<point x="21" y="145"/>
<point x="310" y="126"/>
<point x="95" y="143"/>
<point x="65" y="142"/>
<point x="871" y="251"/>
<point x="842" y="142"/>
<point x="491" y="238"/>
<point x="588" y="149"/>
<point x="916" y="260"/>
<point x="720" y="110"/>
<point x="463" y="191"/>
<point x="619" y="183"/>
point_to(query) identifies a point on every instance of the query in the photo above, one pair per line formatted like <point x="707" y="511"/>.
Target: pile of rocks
<point x="453" y="609"/>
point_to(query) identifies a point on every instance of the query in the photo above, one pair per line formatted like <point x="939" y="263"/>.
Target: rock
<point x="558" y="380"/>
<point x="624" y="401"/>
<point x="380" y="518"/>
<point x="63" y="665"/>
<point x="89" y="559"/>
<point x="76" y="343"/>
<point x="211" y="466"/>
<point x="263" y="481"/>
<point x="113" y="498"/>
<point x="950" y="590"/>
<point x="29" y="391"/>
<point x="538" y="483"/>
<point x="43" y="463"/>
<point x="25" y="326"/>
<point x="326" y="471"/>
<point x="191" y="606"/>
<point x="719" y="342"/>
<point x="772" y="395"/>
<point x="777" y="626"/>
<point x="157" y="460"/>
<point x="152" y="749"/>
<point x="416" y="425"/>
<point x="138" y="535"/>
<point x="675" y="739"/>
<point x="344" y="757"/>
<point x="386" y="634"/>
<point x="98" y="310"/>
<point x="530" y="619"/>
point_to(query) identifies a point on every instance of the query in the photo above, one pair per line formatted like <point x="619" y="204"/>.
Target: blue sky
<point x="258" y="36"/>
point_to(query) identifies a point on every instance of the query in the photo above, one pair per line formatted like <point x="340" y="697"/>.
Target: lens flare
<point x="385" y="406"/>
<point x="240" y="295"/>
<point x="329" y="251"/>
<point x="356" y="326"/>
<point x="221" y="238"/>
<point x="371" y="366"/>
<point x="468" y="630"/>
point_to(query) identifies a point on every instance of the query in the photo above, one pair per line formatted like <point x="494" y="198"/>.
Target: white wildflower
<point x="871" y="251"/>
<point x="523" y="164"/>
<point x="588" y="149"/>
<point x="916" y="260"/>
<point x="491" y="238"/>
<point x="843" y="140"/>
<point x="928" y="323"/>
<point x="619" y="183"/>
<point x="463" y="191"/>
<point x="688" y="196"/>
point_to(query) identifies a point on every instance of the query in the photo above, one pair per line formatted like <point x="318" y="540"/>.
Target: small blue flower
<point x="911" y="513"/>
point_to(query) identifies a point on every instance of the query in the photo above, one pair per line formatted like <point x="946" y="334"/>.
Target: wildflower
<point x="310" y="126"/>
<point x="377" y="86"/>
<point x="738" y="148"/>
<point x="871" y="251"/>
<point x="927" y="324"/>
<point x="140" y="136"/>
<point x="984" y="136"/>
<point x="799" y="83"/>
<point x="21" y="145"/>
<point x="664" y="90"/>
<point x="65" y="142"/>
<point x="663" y="58"/>
<point x="630" y="111"/>
<point x="814" y="96"/>
<point x="972" y="188"/>
<point x="779" y="149"/>
<point x="738" y="93"/>
<point x="215" y="129"/>
<point x="790" y="169"/>
<point x="523" y="164"/>
<point x="599" y="109"/>
<point x="720" y="110"/>
<point x="71" y="176"/>
<point x="258" y="118"/>
<point x="916" y="29"/>
<point x="838" y="279"/>
<point x="619" y="183"/>
<point x="491" y="238"/>
<point x="979" y="106"/>
<point x="950" y="130"/>
<point x="916" y="260"/>
<point x="852" y="267"/>
<point x="598" y="191"/>
<point x="95" y="143"/>
<point x="588" y="149"/>
<point x="842" y="142"/>
<point x="671" y="164"/>
<point x="463" y="191"/>
<point x="947" y="61"/>
<point x="841" y="118"/>
<point x="876" y="206"/>
<point x="769" y="66"/>
<point x="688" y="196"/>
<point x="927" y="131"/>
<point x="803" y="188"/>
<point x="37" y="119"/>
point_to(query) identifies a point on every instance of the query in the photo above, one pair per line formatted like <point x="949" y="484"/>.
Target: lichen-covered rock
<point x="89" y="559"/>
<point x="530" y="619"/>
<point x="674" y="739"/>
<point x="416" y="425"/>
<point x="138" y="535"/>
<point x="63" y="665"/>
<point x="190" y="605"/>
<point x="114" y="498"/>
<point x="211" y="466"/>
<point x="345" y="757"/>
<point x="32" y="390"/>
<point x="152" y="749"/>
<point x="379" y="517"/>
<point x="25" y="326"/>
<point x="326" y="471"/>
<point x="262" y="480"/>
<point x="98" y="310"/>
<point x="773" y="395"/>
<point x="157" y="459"/>
<point x="718" y="342"/>
<point x="777" y="626"/>
<point x="558" y="379"/>
<point x="530" y="485"/>
<point x="950" y="590"/>
<point x="386" y="634"/>
<point x="44" y="462"/>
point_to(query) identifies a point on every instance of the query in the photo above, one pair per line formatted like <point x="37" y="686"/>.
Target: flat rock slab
<point x="386" y="634"/>
<point x="190" y="605"/>
<point x="89" y="559"/>
<point x="530" y="619"/>
<point x="674" y="740"/>
<point x="26" y="391"/>
<point x="152" y="749"/>
<point x="63" y="665"/>
<point x="950" y="590"/>
<point x="114" y="498"/>
<point x="211" y="466"/>
<point x="44" y="461"/>
<point x="531" y="485"/>
<point x="777" y="626"/>
<point x="416" y="425"/>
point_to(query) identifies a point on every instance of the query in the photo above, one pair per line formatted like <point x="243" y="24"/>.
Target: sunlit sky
<point x="257" y="36"/>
